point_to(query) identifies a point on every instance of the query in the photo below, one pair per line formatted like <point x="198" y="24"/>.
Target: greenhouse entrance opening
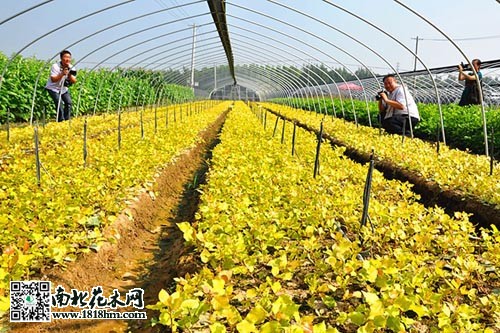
<point x="235" y="92"/>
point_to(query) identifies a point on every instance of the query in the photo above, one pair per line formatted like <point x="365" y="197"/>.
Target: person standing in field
<point x="471" y="93"/>
<point x="62" y="75"/>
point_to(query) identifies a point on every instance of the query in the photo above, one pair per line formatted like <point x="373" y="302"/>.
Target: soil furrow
<point x="483" y="214"/>
<point x="150" y="251"/>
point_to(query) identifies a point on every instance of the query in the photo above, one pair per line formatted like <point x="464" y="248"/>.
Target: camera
<point x="377" y="96"/>
<point x="464" y="66"/>
<point x="67" y="82"/>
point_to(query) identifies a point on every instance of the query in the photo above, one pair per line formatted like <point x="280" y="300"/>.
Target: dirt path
<point x="150" y="252"/>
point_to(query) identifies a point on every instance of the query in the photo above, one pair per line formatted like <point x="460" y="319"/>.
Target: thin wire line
<point x="460" y="39"/>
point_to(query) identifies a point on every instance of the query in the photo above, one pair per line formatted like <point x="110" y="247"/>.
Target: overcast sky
<point x="263" y="32"/>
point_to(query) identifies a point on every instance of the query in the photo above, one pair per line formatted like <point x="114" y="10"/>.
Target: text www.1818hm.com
<point x="99" y="314"/>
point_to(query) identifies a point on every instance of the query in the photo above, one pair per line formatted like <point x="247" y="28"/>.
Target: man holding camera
<point x="397" y="107"/>
<point x="62" y="75"/>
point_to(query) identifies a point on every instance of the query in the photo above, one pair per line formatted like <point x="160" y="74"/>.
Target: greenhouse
<point x="249" y="166"/>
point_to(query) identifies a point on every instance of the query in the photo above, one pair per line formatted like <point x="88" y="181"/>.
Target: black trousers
<point x="64" y="110"/>
<point x="394" y="124"/>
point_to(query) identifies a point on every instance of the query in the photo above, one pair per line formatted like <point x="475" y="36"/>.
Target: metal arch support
<point x="269" y="51"/>
<point x="251" y="85"/>
<point x="148" y="40"/>
<point x="291" y="60"/>
<point x="113" y="41"/>
<point x="340" y="49"/>
<point x="25" y="11"/>
<point x="280" y="57"/>
<point x="126" y="49"/>
<point x="282" y="78"/>
<point x="202" y="53"/>
<point x="146" y="14"/>
<point x="292" y="47"/>
<point x="395" y="71"/>
<point x="134" y="33"/>
<point x="179" y="75"/>
<point x="308" y="90"/>
<point x="218" y="11"/>
<point x="277" y="80"/>
<point x="324" y="40"/>
<point x="98" y="32"/>
<point x="313" y="47"/>
<point x="149" y="56"/>
<point x="54" y="30"/>
<point x="100" y="86"/>
<point x="117" y="66"/>
<point x="269" y="76"/>
<point x="483" y="113"/>
<point x="303" y="42"/>
<point x="387" y="63"/>
<point x="177" y="53"/>
<point x="133" y="19"/>
<point x="274" y="69"/>
<point x="254" y="83"/>
<point x="289" y="82"/>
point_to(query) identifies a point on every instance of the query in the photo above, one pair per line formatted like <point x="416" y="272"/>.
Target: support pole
<point x="192" y="57"/>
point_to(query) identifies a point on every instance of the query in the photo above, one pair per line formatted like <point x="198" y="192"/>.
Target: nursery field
<point x="86" y="178"/>
<point x="474" y="175"/>
<point x="463" y="126"/>
<point x="221" y="166"/>
<point x="287" y="232"/>
<point x="283" y="248"/>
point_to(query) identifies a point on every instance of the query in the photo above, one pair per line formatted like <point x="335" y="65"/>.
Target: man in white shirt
<point x="394" y="107"/>
<point x="62" y="75"/>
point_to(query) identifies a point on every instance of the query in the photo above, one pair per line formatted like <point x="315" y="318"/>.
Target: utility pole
<point x="192" y="57"/>
<point x="416" y="52"/>
<point x="415" y="65"/>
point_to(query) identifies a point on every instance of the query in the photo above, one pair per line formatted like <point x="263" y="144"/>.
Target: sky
<point x="380" y="37"/>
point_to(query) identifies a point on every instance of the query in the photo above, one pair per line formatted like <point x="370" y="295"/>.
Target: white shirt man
<point x="60" y="73"/>
<point x="397" y="106"/>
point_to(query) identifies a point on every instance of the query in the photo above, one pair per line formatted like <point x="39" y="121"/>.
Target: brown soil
<point x="150" y="251"/>
<point x="483" y="214"/>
